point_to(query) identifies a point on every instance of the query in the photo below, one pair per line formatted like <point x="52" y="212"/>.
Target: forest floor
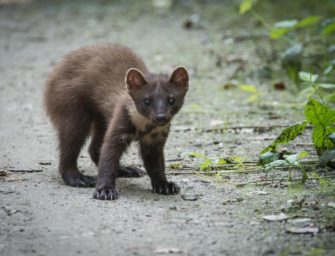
<point x="216" y="213"/>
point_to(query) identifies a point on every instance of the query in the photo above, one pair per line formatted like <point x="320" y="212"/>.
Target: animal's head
<point x="157" y="97"/>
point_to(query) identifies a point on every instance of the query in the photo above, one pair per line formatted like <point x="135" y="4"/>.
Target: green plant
<point x="303" y="44"/>
<point x="322" y="119"/>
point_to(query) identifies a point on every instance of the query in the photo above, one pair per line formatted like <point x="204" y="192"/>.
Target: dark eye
<point x="147" y="102"/>
<point x="171" y="101"/>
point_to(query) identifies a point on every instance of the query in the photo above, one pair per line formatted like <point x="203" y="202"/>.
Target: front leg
<point x="109" y="163"/>
<point x="153" y="159"/>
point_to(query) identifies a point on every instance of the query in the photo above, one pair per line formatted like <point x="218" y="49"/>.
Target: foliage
<point x="287" y="135"/>
<point x="208" y="163"/>
<point x="322" y="119"/>
<point x="294" y="37"/>
<point x="296" y="40"/>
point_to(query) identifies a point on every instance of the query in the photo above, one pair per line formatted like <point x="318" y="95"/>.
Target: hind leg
<point x="72" y="136"/>
<point x="99" y="130"/>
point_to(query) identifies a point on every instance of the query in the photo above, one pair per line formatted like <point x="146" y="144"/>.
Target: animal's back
<point x="89" y="79"/>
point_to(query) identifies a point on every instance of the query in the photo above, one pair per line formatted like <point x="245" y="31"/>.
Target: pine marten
<point x="106" y="91"/>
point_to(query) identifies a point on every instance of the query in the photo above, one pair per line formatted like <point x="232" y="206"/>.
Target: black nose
<point x="160" y="118"/>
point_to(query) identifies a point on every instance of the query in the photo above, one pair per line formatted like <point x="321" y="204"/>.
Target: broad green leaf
<point x="327" y="86"/>
<point x="321" y="140"/>
<point x="205" y="164"/>
<point x="285" y="24"/>
<point x="322" y="117"/>
<point x="248" y="88"/>
<point x="277" y="33"/>
<point x="308" y="21"/>
<point x="268" y="157"/>
<point x="287" y="135"/>
<point x="245" y="6"/>
<point x="319" y="114"/>
<point x="308" y="77"/>
<point x="197" y="155"/>
<point x="329" y="29"/>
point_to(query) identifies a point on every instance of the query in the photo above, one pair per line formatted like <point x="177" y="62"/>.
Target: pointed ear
<point x="134" y="79"/>
<point x="179" y="77"/>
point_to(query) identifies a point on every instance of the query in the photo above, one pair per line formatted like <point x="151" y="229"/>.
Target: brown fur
<point x="86" y="94"/>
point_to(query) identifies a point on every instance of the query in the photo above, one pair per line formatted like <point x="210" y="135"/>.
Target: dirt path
<point x="41" y="216"/>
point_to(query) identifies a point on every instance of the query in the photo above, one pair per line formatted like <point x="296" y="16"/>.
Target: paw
<point x="78" y="180"/>
<point x="106" y="193"/>
<point x="130" y="172"/>
<point x="166" y="188"/>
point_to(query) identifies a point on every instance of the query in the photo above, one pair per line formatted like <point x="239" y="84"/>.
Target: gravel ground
<point x="39" y="215"/>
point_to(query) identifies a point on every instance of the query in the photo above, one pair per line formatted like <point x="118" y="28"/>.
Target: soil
<point x="215" y="214"/>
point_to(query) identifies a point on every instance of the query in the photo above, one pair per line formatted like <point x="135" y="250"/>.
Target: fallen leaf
<point x="279" y="217"/>
<point x="304" y="230"/>
<point x="331" y="204"/>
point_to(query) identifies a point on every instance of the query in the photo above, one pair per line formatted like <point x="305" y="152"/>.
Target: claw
<point x="166" y="188"/>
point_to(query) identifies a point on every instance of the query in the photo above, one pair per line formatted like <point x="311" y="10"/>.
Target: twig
<point x="278" y="179"/>
<point x="24" y="171"/>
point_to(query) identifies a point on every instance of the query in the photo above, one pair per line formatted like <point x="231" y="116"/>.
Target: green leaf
<point x="293" y="53"/>
<point x="237" y="159"/>
<point x="176" y="165"/>
<point x="276" y="33"/>
<point x="308" y="21"/>
<point x="294" y="159"/>
<point x="221" y="161"/>
<point x="328" y="69"/>
<point x="287" y="135"/>
<point x="205" y="164"/>
<point x="308" y="77"/>
<point x="285" y="24"/>
<point x="248" y="88"/>
<point x="197" y="155"/>
<point x="245" y="6"/>
<point x="329" y="29"/>
<point x="323" y="118"/>
<point x="268" y="157"/>
<point x="319" y="114"/>
<point x="320" y="140"/>
<point x="253" y="97"/>
<point x="303" y="154"/>
<point x="327" y="86"/>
